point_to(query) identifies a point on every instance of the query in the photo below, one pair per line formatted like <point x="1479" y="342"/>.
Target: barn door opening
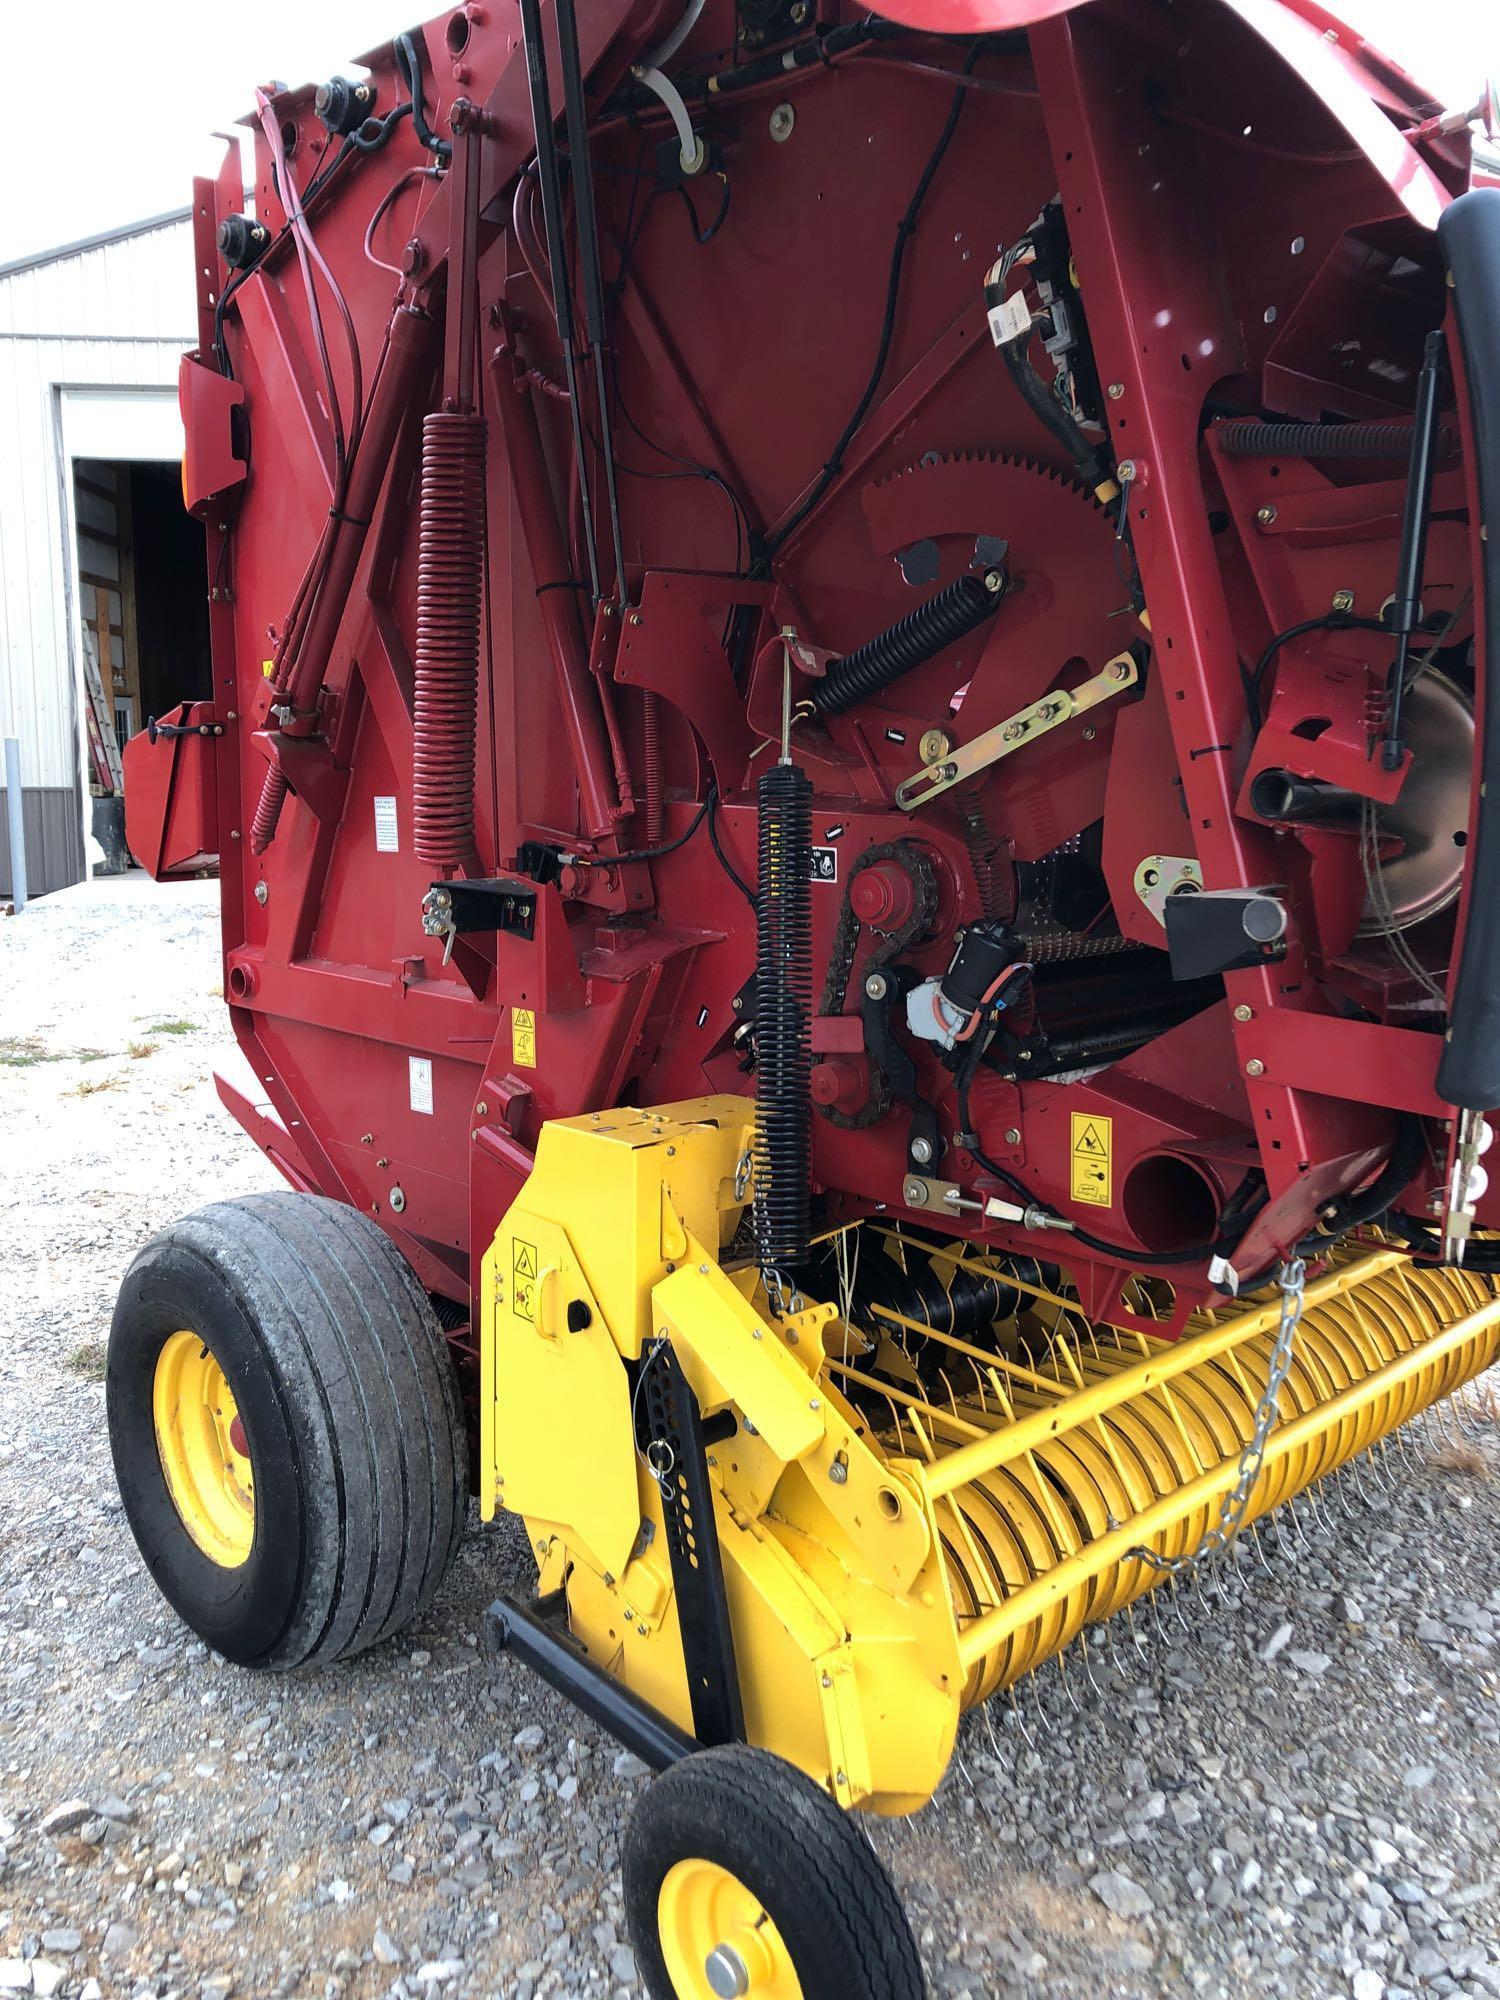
<point x="143" y="611"/>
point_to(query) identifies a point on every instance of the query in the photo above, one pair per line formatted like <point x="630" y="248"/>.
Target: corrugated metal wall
<point x="118" y="314"/>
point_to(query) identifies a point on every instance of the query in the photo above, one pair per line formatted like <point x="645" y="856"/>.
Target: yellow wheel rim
<point x="718" y="1940"/>
<point x="203" y="1452"/>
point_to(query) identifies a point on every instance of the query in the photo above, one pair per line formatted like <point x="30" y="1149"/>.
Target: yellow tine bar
<point x="1074" y="1571"/>
<point x="970" y="1460"/>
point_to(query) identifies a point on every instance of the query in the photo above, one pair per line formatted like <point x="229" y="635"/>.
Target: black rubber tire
<point x="352" y="1417"/>
<point x="811" y="1866"/>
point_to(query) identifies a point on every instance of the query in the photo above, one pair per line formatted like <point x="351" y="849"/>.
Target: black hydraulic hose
<point x="1469" y="1071"/>
<point x="586" y="221"/>
<point x="1392" y="440"/>
<point x="905" y="230"/>
<point x="959" y="608"/>
<point x="378" y="129"/>
<point x="409" y="62"/>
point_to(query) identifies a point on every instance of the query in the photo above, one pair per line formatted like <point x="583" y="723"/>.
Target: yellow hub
<point x="202" y="1445"/>
<point x="718" y="1940"/>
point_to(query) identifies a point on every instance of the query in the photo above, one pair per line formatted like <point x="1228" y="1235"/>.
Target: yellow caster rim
<point x="717" y="1940"/>
<point x="203" y="1451"/>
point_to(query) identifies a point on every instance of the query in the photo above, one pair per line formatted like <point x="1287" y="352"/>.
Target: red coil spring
<point x="653" y="801"/>
<point x="268" y="809"/>
<point x="450" y="584"/>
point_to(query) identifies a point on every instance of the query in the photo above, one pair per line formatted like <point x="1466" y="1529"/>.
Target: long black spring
<point x="1326" y="440"/>
<point x="783" y="1020"/>
<point x="958" y="608"/>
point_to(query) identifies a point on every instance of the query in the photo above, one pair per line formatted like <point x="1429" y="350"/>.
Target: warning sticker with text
<point x="1093" y="1141"/>
<point x="523" y="1037"/>
<point x="523" y="1279"/>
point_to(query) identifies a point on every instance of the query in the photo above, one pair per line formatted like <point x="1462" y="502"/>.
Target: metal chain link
<point x="1236" y="1502"/>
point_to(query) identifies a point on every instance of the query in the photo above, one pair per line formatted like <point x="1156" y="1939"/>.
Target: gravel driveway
<point x="1280" y="1784"/>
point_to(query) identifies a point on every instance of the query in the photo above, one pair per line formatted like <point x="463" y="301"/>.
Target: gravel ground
<point x="1288" y="1787"/>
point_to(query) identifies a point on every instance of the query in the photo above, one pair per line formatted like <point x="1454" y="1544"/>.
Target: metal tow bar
<point x="1061" y="705"/>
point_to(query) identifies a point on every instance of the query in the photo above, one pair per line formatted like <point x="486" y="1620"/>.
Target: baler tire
<point x="347" y="1408"/>
<point x="797" y="1854"/>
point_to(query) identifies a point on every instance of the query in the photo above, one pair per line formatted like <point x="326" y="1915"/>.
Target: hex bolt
<point x="1255" y="1067"/>
<point x="1244" y="1013"/>
<point x="397" y="1198"/>
<point x="921" y="1152"/>
<point x="838" y="1472"/>
<point x="1013" y="1135"/>
<point x="1116" y="391"/>
<point x="1265" y="515"/>
<point x="481" y="1109"/>
<point x="262" y="894"/>
<point x="994" y="581"/>
<point x="1343" y="600"/>
<point x="914" y="1194"/>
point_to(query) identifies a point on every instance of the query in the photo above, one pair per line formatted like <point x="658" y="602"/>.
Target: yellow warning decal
<point x="523" y="1279"/>
<point x="267" y="668"/>
<point x="1093" y="1147"/>
<point x="523" y="1037"/>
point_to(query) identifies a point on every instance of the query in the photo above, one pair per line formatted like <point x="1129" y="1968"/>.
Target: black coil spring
<point x="912" y="640"/>
<point x="783" y="1019"/>
<point x="1326" y="440"/>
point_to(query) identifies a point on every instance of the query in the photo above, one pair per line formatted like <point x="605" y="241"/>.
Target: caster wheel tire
<point x="286" y="1429"/>
<point x="743" y="1878"/>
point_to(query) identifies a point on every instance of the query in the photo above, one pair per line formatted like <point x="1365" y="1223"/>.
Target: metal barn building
<point x="102" y="581"/>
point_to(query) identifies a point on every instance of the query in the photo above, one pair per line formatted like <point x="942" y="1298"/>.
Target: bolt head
<point x="1013" y="1135"/>
<point x="838" y="1472"/>
<point x="914" y="1194"/>
<point x="875" y="986"/>
<point x="935" y="743"/>
<point x="1255" y="1067"/>
<point x="397" y="1199"/>
<point x="1265" y="516"/>
<point x="921" y="1152"/>
<point x="1244" y="1013"/>
<point x="1125" y="471"/>
<point x="783" y="119"/>
<point x="262" y="893"/>
<point x="1116" y="391"/>
<point x="1343" y="600"/>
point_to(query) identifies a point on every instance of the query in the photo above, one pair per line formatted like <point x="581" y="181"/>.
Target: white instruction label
<point x="1009" y="320"/>
<point x="421" y="1083"/>
<point x="386" y="841"/>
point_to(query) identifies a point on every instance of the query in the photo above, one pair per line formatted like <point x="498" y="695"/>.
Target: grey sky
<point x="163" y="75"/>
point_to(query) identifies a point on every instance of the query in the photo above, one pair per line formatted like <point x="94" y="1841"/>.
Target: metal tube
<point x="15" y="823"/>
<point x="971" y="1461"/>
<point x="575" y="688"/>
<point x="1034" y="1598"/>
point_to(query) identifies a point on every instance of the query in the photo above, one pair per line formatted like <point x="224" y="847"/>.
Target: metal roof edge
<point x="100" y="241"/>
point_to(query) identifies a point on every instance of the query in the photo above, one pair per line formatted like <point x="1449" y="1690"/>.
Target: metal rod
<point x="969" y="1461"/>
<point x="15" y="824"/>
<point x="588" y="258"/>
<point x="1406" y="611"/>
<point x="550" y="180"/>
<point x="1035" y="1598"/>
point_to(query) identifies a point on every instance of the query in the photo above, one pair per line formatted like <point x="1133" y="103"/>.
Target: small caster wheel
<point x="743" y="1878"/>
